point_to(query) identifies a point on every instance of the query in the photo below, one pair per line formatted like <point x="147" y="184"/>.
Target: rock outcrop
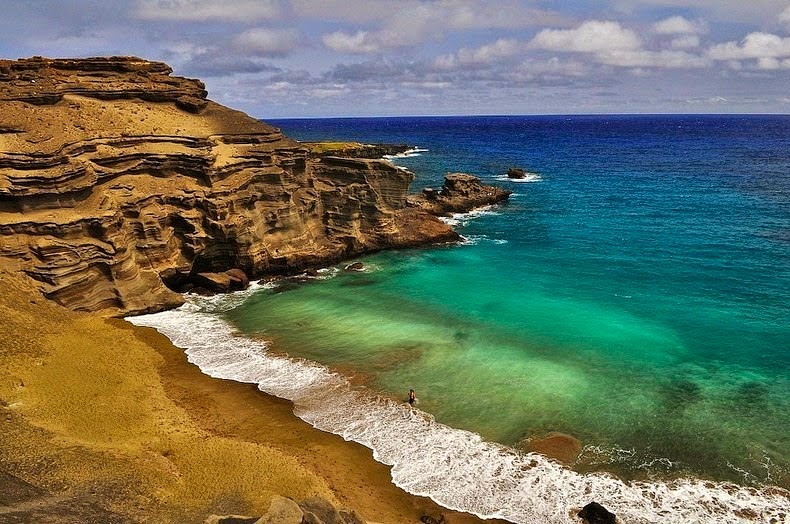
<point x="283" y="510"/>
<point x="594" y="513"/>
<point x="461" y="193"/>
<point x="355" y="149"/>
<point x="119" y="181"/>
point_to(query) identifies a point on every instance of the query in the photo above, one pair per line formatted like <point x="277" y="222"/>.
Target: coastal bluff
<point x="119" y="182"/>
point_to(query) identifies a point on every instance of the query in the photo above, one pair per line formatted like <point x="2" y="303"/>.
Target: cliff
<point x="119" y="181"/>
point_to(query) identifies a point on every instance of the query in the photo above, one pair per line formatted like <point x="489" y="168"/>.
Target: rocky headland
<point x="119" y="183"/>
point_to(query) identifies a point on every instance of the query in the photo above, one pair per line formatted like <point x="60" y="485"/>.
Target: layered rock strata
<point x="461" y="193"/>
<point x="118" y="181"/>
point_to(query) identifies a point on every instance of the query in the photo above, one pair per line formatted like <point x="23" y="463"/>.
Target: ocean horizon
<point x="633" y="294"/>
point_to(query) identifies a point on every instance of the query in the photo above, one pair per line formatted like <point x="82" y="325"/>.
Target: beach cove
<point x="559" y="326"/>
<point x="629" y="300"/>
<point x="107" y="421"/>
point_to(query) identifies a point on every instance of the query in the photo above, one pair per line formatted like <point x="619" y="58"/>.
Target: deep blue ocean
<point x="634" y="293"/>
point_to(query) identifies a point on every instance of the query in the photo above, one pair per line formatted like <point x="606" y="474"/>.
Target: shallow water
<point x="634" y="293"/>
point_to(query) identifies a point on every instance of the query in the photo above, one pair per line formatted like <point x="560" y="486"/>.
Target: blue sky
<point x="293" y="58"/>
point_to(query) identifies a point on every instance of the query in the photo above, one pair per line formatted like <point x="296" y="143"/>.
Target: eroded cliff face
<point x="117" y="179"/>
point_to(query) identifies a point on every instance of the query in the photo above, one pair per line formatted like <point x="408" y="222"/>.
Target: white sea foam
<point x="224" y="301"/>
<point x="528" y="177"/>
<point x="456" y="468"/>
<point x="462" y="219"/>
<point x="471" y="240"/>
<point x="415" y="151"/>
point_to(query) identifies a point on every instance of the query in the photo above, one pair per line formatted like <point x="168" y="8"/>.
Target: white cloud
<point x="663" y="59"/>
<point x="753" y="46"/>
<point x="685" y="42"/>
<point x="773" y="64"/>
<point x="712" y="100"/>
<point x="482" y="56"/>
<point x="784" y="17"/>
<point x="551" y="68"/>
<point x="352" y="11"/>
<point x="593" y="36"/>
<point x="676" y="25"/>
<point x="329" y="92"/>
<point x="359" y="42"/>
<point x="261" y="41"/>
<point x="203" y="10"/>
<point x="416" y="22"/>
<point x="611" y="44"/>
<point x="452" y="14"/>
<point x="738" y="11"/>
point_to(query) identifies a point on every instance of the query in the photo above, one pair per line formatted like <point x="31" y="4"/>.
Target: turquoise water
<point x="634" y="294"/>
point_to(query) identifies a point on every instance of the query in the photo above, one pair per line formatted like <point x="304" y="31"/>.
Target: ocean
<point x="634" y="293"/>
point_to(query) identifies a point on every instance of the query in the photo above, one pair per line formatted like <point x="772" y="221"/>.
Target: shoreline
<point x="241" y="411"/>
<point x="211" y="345"/>
<point x="101" y="420"/>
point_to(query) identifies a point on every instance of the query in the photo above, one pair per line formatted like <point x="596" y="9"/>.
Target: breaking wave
<point x="415" y="151"/>
<point x="456" y="468"/>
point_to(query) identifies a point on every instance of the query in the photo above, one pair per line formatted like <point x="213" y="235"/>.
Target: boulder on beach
<point x="282" y="511"/>
<point x="238" y="279"/>
<point x="230" y="280"/>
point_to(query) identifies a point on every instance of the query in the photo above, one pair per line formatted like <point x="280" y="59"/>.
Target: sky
<point x="318" y="58"/>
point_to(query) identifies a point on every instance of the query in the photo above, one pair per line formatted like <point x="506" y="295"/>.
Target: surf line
<point x="455" y="468"/>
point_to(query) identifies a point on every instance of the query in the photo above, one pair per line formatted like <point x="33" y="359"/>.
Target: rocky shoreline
<point x="118" y="182"/>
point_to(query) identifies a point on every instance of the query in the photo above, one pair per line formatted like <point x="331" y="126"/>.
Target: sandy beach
<point x="104" y="420"/>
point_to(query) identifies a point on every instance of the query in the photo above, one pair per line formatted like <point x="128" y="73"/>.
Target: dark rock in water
<point x="515" y="172"/>
<point x="461" y="193"/>
<point x="311" y="272"/>
<point x="356" y="266"/>
<point x="238" y="279"/>
<point x="594" y="513"/>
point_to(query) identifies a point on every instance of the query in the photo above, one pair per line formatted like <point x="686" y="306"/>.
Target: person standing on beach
<point x="412" y="397"/>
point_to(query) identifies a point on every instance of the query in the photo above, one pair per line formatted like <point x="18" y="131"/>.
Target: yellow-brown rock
<point x="118" y="179"/>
